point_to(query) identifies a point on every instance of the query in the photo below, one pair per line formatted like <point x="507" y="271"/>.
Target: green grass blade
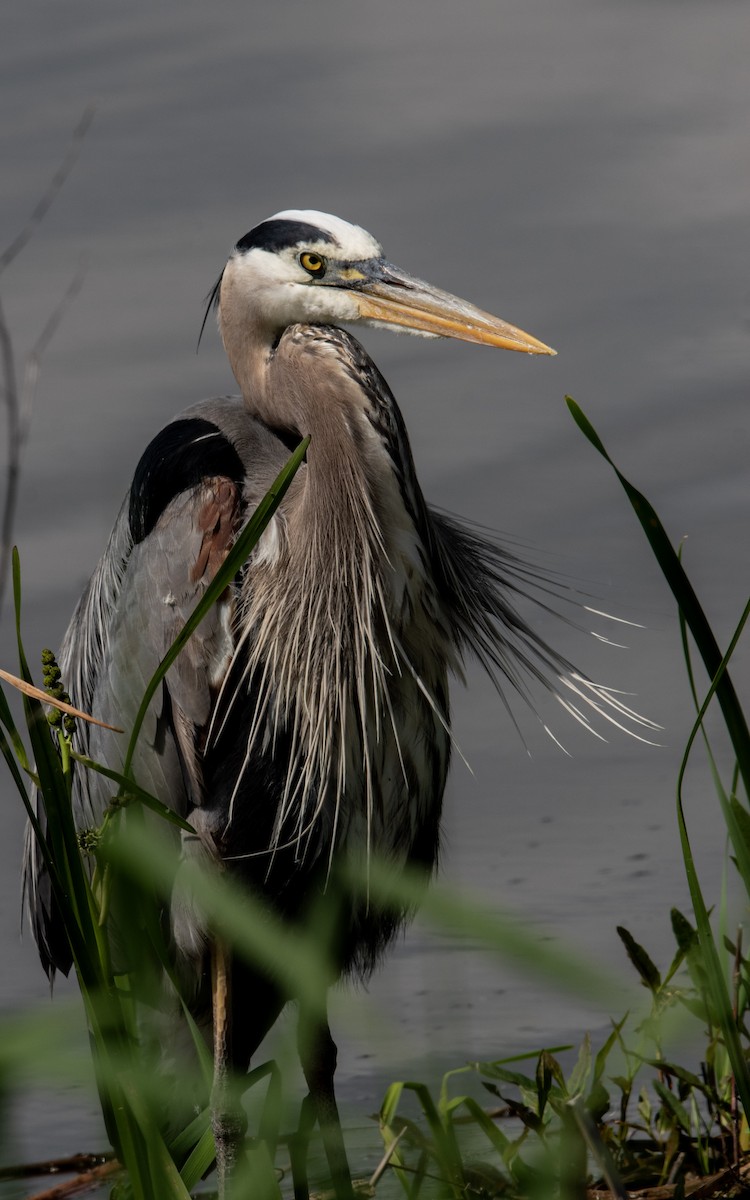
<point x="74" y="897"/>
<point x="204" y="1151"/>
<point x="715" y="979"/>
<point x="130" y="787"/>
<point x="269" y="1128"/>
<point x="600" y="1062"/>
<point x="391" y="1101"/>
<point x="443" y="1148"/>
<point x="495" y="1071"/>
<point x="392" y="1136"/>
<point x="444" y="1099"/>
<point x="526" y="1056"/>
<point x="735" y="816"/>
<point x="78" y="910"/>
<point x="10" y="755"/>
<point x="598" y="1149"/>
<point x="157" y="1165"/>
<point x="678" y="1110"/>
<point x="189" y="1137"/>
<point x="721" y="685"/>
<point x="109" y="1007"/>
<point x="16" y="741"/>
<point x="200" y="1159"/>
<point x="494" y="1135"/>
<point x="152" y="862"/>
<point x="681" y="1073"/>
<point x="579" y="1077"/>
<point x="443" y="1135"/>
<point x="686" y="598"/>
<point x="449" y="908"/>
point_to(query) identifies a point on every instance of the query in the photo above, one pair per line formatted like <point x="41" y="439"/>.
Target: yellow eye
<point x="312" y="263"/>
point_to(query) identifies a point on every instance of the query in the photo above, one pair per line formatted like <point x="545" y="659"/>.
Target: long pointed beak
<point x="389" y="296"/>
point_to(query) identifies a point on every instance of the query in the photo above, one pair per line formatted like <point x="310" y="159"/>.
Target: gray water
<point x="581" y="167"/>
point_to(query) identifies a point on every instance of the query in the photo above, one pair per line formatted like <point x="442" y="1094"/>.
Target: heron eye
<point x="313" y="263"/>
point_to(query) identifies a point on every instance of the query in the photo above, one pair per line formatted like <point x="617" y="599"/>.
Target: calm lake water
<point x="582" y="168"/>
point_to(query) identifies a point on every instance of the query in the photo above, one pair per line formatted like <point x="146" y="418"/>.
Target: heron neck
<point x="306" y="384"/>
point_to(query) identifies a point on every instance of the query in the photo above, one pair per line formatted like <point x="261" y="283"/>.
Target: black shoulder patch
<point x="279" y="235"/>
<point x="177" y="459"/>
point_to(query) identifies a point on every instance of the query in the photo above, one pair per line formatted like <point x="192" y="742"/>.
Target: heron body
<point x="306" y="724"/>
<point x="293" y="732"/>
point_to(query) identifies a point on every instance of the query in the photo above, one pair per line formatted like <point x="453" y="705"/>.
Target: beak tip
<point x="536" y="348"/>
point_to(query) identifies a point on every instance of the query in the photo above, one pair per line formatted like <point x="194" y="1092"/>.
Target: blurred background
<point x="581" y="168"/>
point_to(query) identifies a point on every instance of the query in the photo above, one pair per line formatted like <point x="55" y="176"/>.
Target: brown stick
<point x="48" y="195"/>
<point x="55" y="1166"/>
<point x="36" y="693"/>
<point x="80" y="1183"/>
<point x="18" y="400"/>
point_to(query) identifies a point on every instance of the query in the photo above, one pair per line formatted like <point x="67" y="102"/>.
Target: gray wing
<point x="190" y="492"/>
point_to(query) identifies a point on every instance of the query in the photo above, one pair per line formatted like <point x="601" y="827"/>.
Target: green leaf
<point x="391" y="1100"/>
<point x="671" y="1068"/>
<point x="601" y="1059"/>
<point x="592" y="1138"/>
<point x="494" y="1135"/>
<point x="625" y="1085"/>
<point x="525" y="1115"/>
<point x="527" y="1056"/>
<point x="649" y="974"/>
<point x="495" y="1071"/>
<point x="742" y="819"/>
<point x="684" y="933"/>
<point x="598" y="1101"/>
<point x="670" y="1101"/>
<point x="579" y="1076"/>
<point x="547" y="1070"/>
<point x="443" y="1135"/>
<point x="129" y="786"/>
<point x="445" y="1102"/>
<point x="200" y="1159"/>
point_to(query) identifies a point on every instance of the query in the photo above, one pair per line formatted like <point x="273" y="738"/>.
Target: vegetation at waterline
<point x="621" y="1119"/>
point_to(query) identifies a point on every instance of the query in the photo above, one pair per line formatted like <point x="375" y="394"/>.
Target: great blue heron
<point x="307" y="722"/>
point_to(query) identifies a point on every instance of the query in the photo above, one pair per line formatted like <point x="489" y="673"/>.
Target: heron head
<point x="302" y="266"/>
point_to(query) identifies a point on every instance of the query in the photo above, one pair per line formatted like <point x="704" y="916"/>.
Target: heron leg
<point x="317" y="1051"/>
<point x="228" y="1119"/>
<point x="299" y="1145"/>
<point x="245" y="1006"/>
